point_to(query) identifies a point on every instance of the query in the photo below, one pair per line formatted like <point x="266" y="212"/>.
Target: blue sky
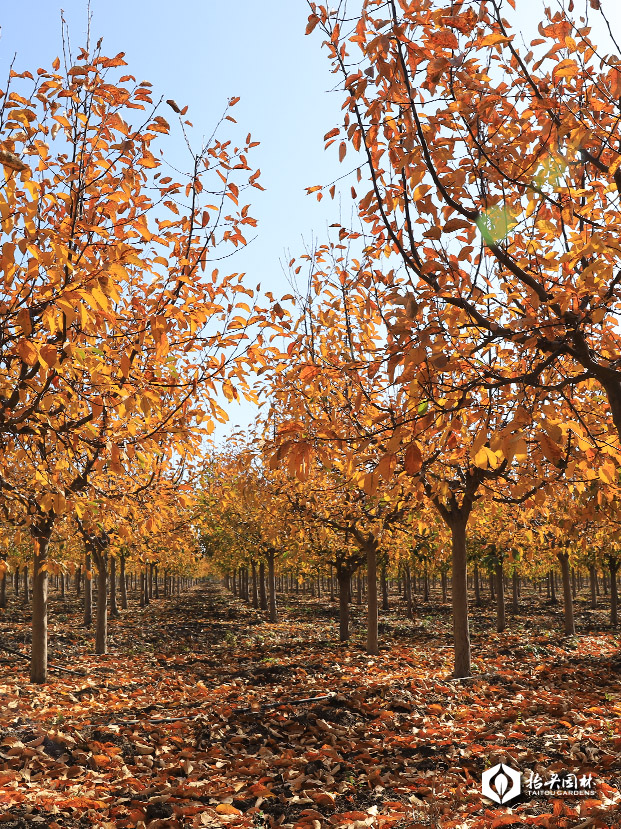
<point x="202" y="52"/>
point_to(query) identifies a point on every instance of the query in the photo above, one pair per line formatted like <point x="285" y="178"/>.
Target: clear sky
<point x="202" y="52"/>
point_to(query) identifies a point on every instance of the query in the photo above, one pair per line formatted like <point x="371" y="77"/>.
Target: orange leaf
<point x="227" y="809"/>
<point x="413" y="459"/>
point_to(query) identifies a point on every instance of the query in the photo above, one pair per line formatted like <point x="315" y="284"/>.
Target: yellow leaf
<point x="565" y="69"/>
<point x="27" y="352"/>
<point x="492" y="40"/>
<point x="23" y="320"/>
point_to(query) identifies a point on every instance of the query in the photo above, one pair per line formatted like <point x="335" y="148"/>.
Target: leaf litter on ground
<point x="204" y="714"/>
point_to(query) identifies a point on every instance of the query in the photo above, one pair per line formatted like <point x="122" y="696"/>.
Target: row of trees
<point x="266" y="531"/>
<point x="458" y="353"/>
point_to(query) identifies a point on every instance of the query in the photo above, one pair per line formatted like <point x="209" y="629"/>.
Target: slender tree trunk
<point x="156" y="579"/>
<point x="477" y="585"/>
<point x="516" y="590"/>
<point x="331" y="584"/>
<point x="552" y="587"/>
<point x="492" y="591"/>
<point x="150" y="578"/>
<point x="3" y="585"/>
<point x="147" y="582"/>
<point x="26" y="583"/>
<point x="443" y="579"/>
<point x="88" y="591"/>
<point x="16" y="581"/>
<point x="262" y="593"/>
<point x="409" y="604"/>
<point x="63" y="586"/>
<point x="142" y="590"/>
<point x="426" y="583"/>
<point x="114" y="609"/>
<point x="271" y="578"/>
<point x="38" y="654"/>
<point x="101" y="630"/>
<point x="372" y="615"/>
<point x="567" y="601"/>
<point x="573" y="583"/>
<point x="343" y="577"/>
<point x="359" y="587"/>
<point x="461" y="631"/>
<point x="385" y="605"/>
<point x="123" y="583"/>
<point x="501" y="618"/>
<point x="592" y="579"/>
<point x="613" y="566"/>
<point x="255" y="587"/>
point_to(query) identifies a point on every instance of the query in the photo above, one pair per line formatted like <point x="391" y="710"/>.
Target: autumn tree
<point x="116" y="335"/>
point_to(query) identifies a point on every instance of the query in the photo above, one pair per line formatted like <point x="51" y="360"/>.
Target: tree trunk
<point x="255" y="589"/>
<point x="331" y="584"/>
<point x="147" y="581"/>
<point x="477" y="585"/>
<point x="516" y="591"/>
<point x="343" y="577"/>
<point x="123" y="583"/>
<point x="425" y="583"/>
<point x="409" y="604"/>
<point x="26" y="582"/>
<point x="444" y="586"/>
<point x="38" y="654"/>
<point x="114" y="609"/>
<point x="385" y="605"/>
<point x="262" y="593"/>
<point x="567" y="600"/>
<point x="142" y="591"/>
<point x="552" y="587"/>
<point x="3" y="585"/>
<point x="88" y="591"/>
<point x="461" y="632"/>
<point x="613" y="566"/>
<point x="500" y="598"/>
<point x="271" y="579"/>
<point x="156" y="579"/>
<point x="101" y="631"/>
<point x="592" y="579"/>
<point x="372" y="616"/>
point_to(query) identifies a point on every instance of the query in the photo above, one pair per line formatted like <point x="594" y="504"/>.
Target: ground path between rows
<point x="153" y="735"/>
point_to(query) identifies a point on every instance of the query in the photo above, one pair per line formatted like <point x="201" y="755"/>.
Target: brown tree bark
<point x="123" y="582"/>
<point x="385" y="605"/>
<point x="88" y="591"/>
<point x="114" y="609"/>
<point x="271" y="578"/>
<point x="570" y="629"/>
<point x="501" y="617"/>
<point x="262" y="593"/>
<point x="343" y="575"/>
<point x="38" y="657"/>
<point x="372" y="614"/>
<point x="613" y="567"/>
<point x="461" y="629"/>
